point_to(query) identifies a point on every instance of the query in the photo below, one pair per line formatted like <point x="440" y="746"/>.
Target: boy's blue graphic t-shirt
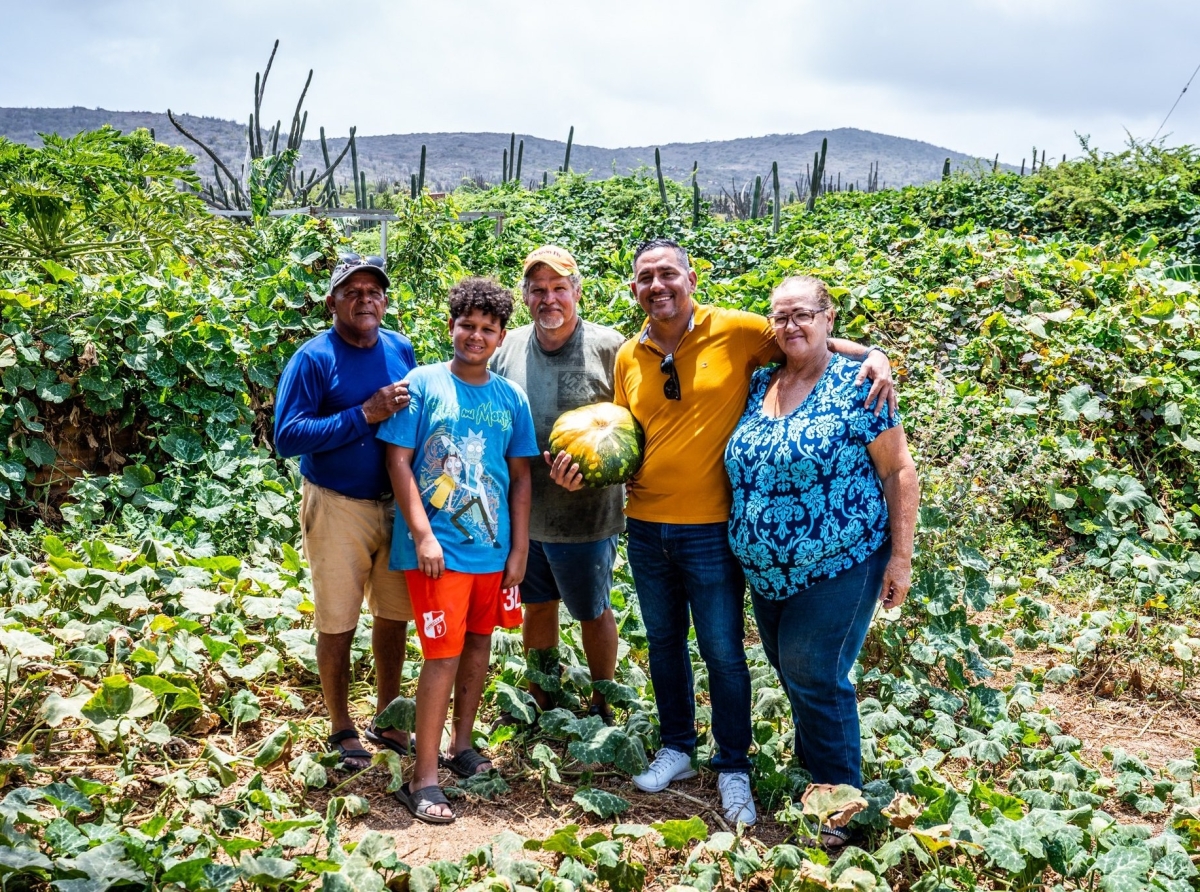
<point x="461" y="436"/>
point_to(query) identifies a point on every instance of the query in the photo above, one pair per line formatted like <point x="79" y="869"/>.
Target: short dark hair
<point x="486" y="295"/>
<point x="655" y="243"/>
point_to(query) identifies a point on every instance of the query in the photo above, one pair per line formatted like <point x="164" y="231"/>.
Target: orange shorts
<point x="457" y="603"/>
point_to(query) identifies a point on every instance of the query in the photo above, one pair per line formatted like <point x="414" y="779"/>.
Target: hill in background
<point x="451" y="157"/>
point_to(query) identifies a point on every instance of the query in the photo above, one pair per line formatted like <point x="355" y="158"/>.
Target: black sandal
<point x="418" y="802"/>
<point x="378" y="738"/>
<point x="844" y="836"/>
<point x="466" y="763"/>
<point x="333" y="743"/>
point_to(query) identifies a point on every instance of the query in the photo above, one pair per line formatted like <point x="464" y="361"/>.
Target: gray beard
<point x="551" y="325"/>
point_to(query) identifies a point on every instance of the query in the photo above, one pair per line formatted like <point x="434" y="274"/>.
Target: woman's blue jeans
<point x="682" y="571"/>
<point x="812" y="639"/>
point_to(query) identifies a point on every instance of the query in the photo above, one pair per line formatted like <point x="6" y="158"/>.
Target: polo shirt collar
<point x="697" y="310"/>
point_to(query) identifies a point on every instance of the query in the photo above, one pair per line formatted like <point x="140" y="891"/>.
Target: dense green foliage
<point x="154" y="606"/>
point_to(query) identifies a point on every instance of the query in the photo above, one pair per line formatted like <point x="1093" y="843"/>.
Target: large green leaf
<point x="1079" y="402"/>
<point x="400" y="714"/>
<point x="678" y="834"/>
<point x="599" y="802"/>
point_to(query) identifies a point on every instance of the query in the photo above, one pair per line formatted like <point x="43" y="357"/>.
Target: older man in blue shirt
<point x="336" y="390"/>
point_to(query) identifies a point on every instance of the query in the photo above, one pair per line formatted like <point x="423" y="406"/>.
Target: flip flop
<point x="465" y="764"/>
<point x="377" y="738"/>
<point x="333" y="743"/>
<point x="419" y="801"/>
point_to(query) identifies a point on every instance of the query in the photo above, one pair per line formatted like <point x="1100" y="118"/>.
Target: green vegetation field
<point x="159" y="713"/>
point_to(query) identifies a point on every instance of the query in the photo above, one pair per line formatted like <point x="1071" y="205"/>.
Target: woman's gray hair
<point x="806" y="283"/>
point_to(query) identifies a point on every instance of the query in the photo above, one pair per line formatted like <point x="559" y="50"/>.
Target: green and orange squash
<point x="604" y="439"/>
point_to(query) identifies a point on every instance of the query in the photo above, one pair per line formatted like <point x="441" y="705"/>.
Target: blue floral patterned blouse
<point x="807" y="503"/>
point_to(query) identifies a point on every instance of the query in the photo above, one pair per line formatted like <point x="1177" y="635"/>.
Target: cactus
<point x="946" y="169"/>
<point x="1033" y="161"/>
<point x="566" y="168"/>
<point x="775" y="189"/>
<point x="818" y="174"/>
<point x="413" y="190"/>
<point x="520" y="158"/>
<point x="545" y="178"/>
<point x="358" y="198"/>
<point x="1022" y="167"/>
<point x="362" y="184"/>
<point x="512" y="156"/>
<point x="662" y="185"/>
<point x="996" y="163"/>
<point x="504" y="166"/>
<point x="1043" y="164"/>
<point x="421" y="175"/>
<point x="754" y="202"/>
<point x="695" y="196"/>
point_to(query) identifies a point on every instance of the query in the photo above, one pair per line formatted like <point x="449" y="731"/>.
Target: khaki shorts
<point x="347" y="543"/>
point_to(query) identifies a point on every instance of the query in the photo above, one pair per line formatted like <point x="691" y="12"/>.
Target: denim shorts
<point x="580" y="574"/>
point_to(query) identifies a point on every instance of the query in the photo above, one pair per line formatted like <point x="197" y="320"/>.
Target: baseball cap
<point x="349" y="264"/>
<point x="558" y="259"/>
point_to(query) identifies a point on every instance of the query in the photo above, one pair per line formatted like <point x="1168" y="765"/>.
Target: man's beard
<point x="551" y="322"/>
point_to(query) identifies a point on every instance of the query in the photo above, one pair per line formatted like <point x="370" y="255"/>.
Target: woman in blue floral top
<point x="824" y="505"/>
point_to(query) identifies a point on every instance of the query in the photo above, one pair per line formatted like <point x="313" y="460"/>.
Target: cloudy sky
<point x="980" y="76"/>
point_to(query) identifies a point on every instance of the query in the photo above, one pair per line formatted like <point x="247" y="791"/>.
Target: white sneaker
<point x="668" y="765"/>
<point x="736" y="799"/>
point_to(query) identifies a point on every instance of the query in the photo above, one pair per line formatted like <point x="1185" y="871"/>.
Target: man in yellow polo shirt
<point x="685" y="378"/>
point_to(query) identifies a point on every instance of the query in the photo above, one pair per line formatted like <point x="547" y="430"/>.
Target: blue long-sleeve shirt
<point x="318" y="410"/>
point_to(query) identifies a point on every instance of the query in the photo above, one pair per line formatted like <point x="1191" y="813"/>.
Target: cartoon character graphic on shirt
<point x="441" y="492"/>
<point x="455" y="480"/>
<point x="476" y="489"/>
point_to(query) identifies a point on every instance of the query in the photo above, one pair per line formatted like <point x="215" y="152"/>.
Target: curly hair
<point x="486" y="295"/>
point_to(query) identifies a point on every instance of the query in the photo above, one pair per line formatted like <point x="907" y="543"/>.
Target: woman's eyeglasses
<point x="671" y="389"/>
<point x="797" y="318"/>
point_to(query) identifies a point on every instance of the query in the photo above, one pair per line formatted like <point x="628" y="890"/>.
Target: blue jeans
<point x="812" y="639"/>
<point x="682" y="571"/>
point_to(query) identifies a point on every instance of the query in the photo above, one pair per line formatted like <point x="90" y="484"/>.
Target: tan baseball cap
<point x="558" y="259"/>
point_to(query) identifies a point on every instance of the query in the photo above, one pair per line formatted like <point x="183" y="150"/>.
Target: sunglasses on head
<point x="671" y="389"/>
<point x="349" y="261"/>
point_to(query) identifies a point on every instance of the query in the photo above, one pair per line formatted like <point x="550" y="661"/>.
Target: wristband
<point x="871" y="350"/>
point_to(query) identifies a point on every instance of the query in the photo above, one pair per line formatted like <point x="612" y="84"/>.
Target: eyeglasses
<point x="797" y="317"/>
<point x="671" y="389"/>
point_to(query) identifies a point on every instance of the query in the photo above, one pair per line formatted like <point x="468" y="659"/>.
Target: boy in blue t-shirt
<point x="458" y="458"/>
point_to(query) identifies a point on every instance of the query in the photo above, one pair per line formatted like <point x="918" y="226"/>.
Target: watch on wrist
<point x="873" y="349"/>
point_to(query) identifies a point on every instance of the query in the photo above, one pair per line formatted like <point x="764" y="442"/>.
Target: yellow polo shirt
<point x="682" y="478"/>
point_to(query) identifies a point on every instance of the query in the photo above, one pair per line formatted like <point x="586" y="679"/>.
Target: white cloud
<point x="981" y="76"/>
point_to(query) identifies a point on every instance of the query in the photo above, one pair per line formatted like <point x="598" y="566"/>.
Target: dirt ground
<point x="527" y="813"/>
